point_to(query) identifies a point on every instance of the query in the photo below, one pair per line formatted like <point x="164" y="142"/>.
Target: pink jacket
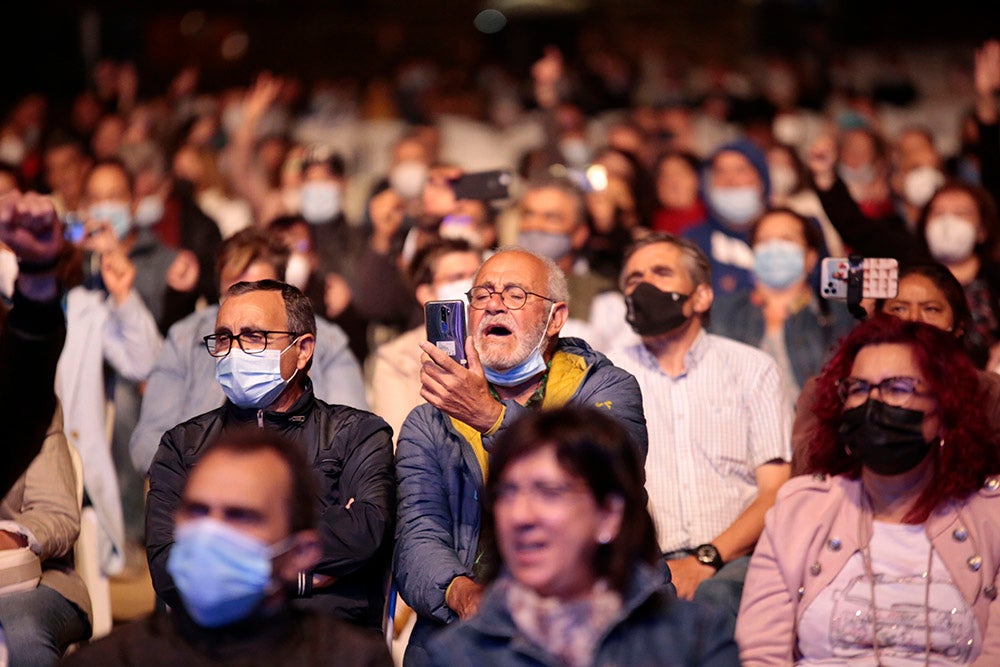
<point x="811" y="533"/>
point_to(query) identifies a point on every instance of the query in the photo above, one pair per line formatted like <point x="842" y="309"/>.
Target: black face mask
<point x="652" y="312"/>
<point x="885" y="439"/>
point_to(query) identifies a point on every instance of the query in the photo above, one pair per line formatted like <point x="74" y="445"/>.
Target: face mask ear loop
<point x="545" y="329"/>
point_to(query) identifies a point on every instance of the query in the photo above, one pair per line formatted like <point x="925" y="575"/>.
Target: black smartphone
<point x="446" y="327"/>
<point x="483" y="185"/>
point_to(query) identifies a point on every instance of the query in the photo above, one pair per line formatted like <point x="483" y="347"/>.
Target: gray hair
<point x="693" y="258"/>
<point x="556" y="285"/>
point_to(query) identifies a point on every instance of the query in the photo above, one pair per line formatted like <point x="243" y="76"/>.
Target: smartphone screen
<point x="483" y="186"/>
<point x="445" y="322"/>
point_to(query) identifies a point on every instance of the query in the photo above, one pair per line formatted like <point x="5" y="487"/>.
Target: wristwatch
<point x="707" y="554"/>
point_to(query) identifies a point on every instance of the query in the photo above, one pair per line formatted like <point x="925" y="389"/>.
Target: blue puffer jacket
<point x="653" y="628"/>
<point x="441" y="465"/>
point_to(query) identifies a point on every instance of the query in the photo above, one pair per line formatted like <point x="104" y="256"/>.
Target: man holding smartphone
<point x="516" y="362"/>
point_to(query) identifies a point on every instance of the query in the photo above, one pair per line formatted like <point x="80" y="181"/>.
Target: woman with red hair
<point x="889" y="552"/>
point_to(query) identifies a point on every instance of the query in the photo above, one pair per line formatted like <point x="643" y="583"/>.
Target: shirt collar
<point x="695" y="354"/>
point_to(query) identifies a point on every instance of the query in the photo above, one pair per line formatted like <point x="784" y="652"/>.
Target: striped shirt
<point x="709" y="429"/>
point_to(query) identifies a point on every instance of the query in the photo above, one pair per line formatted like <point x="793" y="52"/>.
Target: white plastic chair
<point x="88" y="561"/>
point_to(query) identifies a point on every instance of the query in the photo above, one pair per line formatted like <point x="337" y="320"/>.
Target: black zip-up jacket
<point x="350" y="452"/>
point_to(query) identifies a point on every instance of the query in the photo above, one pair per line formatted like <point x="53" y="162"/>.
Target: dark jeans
<point x="39" y="625"/>
<point x="725" y="588"/>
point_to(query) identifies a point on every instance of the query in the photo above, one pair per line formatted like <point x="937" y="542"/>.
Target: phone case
<point x="483" y="186"/>
<point x="445" y="322"/>
<point x="879" y="280"/>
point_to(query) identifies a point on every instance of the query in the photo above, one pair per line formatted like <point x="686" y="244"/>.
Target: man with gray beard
<point x="516" y="363"/>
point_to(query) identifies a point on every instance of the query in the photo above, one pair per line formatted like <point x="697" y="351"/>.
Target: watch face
<point x="707" y="554"/>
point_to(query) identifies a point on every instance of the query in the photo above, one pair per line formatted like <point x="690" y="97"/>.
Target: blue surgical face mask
<point x="116" y="213"/>
<point x="548" y="244"/>
<point x="737" y="206"/>
<point x="252" y="380"/>
<point x="527" y="369"/>
<point x="221" y="574"/>
<point x="779" y="263"/>
<point x="320" y="201"/>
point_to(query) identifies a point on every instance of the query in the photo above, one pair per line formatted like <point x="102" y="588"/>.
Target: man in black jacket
<point x="264" y="339"/>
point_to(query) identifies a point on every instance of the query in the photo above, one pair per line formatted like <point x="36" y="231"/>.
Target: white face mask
<point x="737" y="206"/>
<point x="575" y="150"/>
<point x="148" y="211"/>
<point x="320" y="201"/>
<point x="297" y="271"/>
<point x="456" y="289"/>
<point x="920" y="184"/>
<point x="783" y="180"/>
<point x="407" y="178"/>
<point x="8" y="272"/>
<point x="950" y="238"/>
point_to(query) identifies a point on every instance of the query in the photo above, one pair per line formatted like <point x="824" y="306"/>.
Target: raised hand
<point x="118" y="273"/>
<point x="183" y="273"/>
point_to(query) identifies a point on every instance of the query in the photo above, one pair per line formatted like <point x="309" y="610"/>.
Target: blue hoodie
<point x="728" y="247"/>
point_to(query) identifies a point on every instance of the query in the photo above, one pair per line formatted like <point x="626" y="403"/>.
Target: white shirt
<point x="836" y="628"/>
<point x="709" y="429"/>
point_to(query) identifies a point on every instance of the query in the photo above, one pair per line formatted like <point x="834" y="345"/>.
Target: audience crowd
<point x="662" y="444"/>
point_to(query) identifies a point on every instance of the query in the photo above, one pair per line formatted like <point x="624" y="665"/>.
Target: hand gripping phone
<point x="446" y="329"/>
<point x="855" y="278"/>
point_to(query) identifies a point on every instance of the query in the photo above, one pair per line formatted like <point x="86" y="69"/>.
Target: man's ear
<point x="307" y="345"/>
<point x="701" y="298"/>
<point x="560" y="313"/>
<point x="302" y="556"/>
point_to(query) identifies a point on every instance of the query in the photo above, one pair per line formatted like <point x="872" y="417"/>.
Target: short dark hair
<point x="594" y="447"/>
<point x="323" y="154"/>
<point x="565" y="186"/>
<point x="301" y="497"/>
<point x="298" y="308"/>
<point x="811" y="232"/>
<point x="695" y="260"/>
<point x="954" y="294"/>
<point x="425" y="263"/>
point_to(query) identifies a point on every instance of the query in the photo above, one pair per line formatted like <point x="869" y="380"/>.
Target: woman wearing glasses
<point x="577" y="578"/>
<point x="888" y="553"/>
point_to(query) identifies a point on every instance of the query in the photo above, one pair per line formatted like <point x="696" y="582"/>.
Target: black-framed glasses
<point x="512" y="296"/>
<point x="251" y="342"/>
<point x="895" y="391"/>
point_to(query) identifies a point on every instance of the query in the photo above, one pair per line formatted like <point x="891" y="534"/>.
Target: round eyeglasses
<point x="895" y="391"/>
<point x="512" y="296"/>
<point x="251" y="342"/>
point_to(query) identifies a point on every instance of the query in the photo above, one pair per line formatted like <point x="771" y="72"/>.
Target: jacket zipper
<point x="260" y="418"/>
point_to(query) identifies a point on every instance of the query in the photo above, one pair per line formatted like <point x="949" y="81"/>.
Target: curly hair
<point x="968" y="453"/>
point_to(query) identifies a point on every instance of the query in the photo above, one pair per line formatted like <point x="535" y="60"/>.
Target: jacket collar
<point x="294" y="415"/>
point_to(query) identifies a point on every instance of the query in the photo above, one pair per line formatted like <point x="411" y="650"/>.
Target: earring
<point x="605" y="538"/>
